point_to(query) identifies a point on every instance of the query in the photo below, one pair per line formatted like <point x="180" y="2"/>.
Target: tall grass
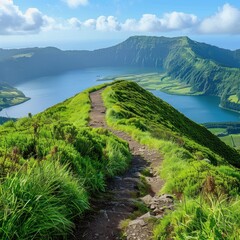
<point x="196" y="164"/>
<point x="50" y="165"/>
<point x="40" y="203"/>
<point x="209" y="218"/>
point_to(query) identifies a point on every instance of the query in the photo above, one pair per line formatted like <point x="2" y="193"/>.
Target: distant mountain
<point x="207" y="69"/>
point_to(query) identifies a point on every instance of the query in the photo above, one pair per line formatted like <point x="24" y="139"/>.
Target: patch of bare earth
<point x="122" y="192"/>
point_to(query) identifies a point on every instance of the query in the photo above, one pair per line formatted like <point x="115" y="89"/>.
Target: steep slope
<point x="52" y="163"/>
<point x="197" y="167"/>
<point x="210" y="70"/>
<point x="136" y="107"/>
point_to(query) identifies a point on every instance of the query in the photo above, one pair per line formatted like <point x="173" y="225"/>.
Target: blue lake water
<point x="200" y="109"/>
<point x="47" y="91"/>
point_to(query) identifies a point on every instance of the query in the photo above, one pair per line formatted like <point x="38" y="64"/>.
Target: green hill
<point x="197" y="167"/>
<point x="52" y="164"/>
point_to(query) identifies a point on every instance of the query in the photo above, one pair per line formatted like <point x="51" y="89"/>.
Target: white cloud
<point x="109" y="23"/>
<point x="76" y="3"/>
<point x="179" y="20"/>
<point x="74" y="22"/>
<point x="169" y="22"/>
<point x="90" y="23"/>
<point x="103" y="23"/>
<point x="226" y="20"/>
<point x="147" y="23"/>
<point x="14" y="21"/>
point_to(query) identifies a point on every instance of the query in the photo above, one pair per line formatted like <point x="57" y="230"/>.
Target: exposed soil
<point x="122" y="192"/>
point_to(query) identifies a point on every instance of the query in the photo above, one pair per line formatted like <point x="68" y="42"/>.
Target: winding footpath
<point x="122" y="192"/>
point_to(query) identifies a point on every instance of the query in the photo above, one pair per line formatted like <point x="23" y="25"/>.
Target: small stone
<point x="147" y="215"/>
<point x="137" y="222"/>
<point x="147" y="199"/>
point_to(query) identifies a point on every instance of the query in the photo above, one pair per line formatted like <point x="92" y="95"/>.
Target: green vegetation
<point x="198" y="168"/>
<point x="233" y="98"/>
<point x="202" y="219"/>
<point x="51" y="165"/>
<point x="5" y="119"/>
<point x="227" y="132"/>
<point x="189" y="67"/>
<point x="204" y="68"/>
<point x="157" y="81"/>
<point x="10" y="96"/>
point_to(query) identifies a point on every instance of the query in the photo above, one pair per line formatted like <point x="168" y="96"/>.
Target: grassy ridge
<point x="197" y="165"/>
<point x="50" y="165"/>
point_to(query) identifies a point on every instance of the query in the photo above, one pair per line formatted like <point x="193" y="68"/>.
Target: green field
<point x="231" y="139"/>
<point x="158" y="81"/>
<point x="217" y="131"/>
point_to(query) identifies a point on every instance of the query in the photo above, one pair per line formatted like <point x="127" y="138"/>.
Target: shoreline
<point x="25" y="100"/>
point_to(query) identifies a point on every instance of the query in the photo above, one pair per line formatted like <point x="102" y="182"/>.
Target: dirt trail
<point x="122" y="191"/>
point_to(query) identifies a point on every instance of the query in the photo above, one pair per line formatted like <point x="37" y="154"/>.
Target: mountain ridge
<point x="54" y="163"/>
<point x="207" y="69"/>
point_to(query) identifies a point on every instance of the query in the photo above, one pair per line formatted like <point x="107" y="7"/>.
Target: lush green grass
<point x="40" y="202"/>
<point x="217" y="131"/>
<point x="227" y="132"/>
<point x="50" y="165"/>
<point x="196" y="163"/>
<point x="158" y="81"/>
<point x="74" y="161"/>
<point x="233" y="98"/>
<point x="232" y="140"/>
<point x="202" y="219"/>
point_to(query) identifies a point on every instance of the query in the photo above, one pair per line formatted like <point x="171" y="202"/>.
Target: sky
<point x="92" y="24"/>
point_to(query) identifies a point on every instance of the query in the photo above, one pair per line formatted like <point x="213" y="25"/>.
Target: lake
<point x="47" y="91"/>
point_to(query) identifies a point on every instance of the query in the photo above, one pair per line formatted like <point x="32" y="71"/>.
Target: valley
<point x="47" y="91"/>
<point x="117" y="159"/>
<point x="186" y="66"/>
<point x="119" y="120"/>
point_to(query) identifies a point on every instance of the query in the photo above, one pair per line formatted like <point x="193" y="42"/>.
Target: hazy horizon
<point x="92" y="24"/>
<point x="229" y="43"/>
